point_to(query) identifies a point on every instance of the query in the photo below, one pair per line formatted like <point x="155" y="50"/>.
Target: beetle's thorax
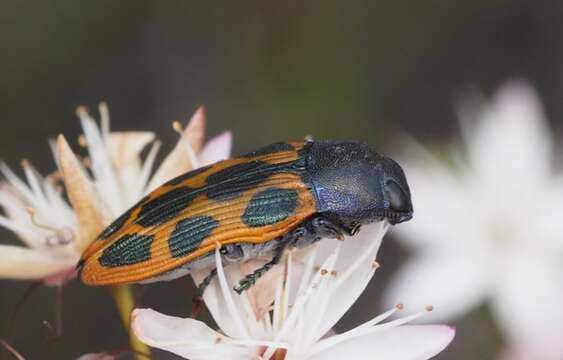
<point x="349" y="181"/>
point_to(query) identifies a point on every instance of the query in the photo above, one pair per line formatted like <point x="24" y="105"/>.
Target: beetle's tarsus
<point x="326" y="228"/>
<point x="251" y="279"/>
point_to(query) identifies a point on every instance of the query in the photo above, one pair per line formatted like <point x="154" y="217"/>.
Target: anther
<point x="63" y="236"/>
<point x="81" y="111"/>
<point x="324" y="272"/>
<point x="177" y="126"/>
<point x="82" y="141"/>
<point x="54" y="177"/>
<point x="87" y="162"/>
<point x="375" y="265"/>
<point x="103" y="106"/>
<point x="400" y="306"/>
<point x="429" y="307"/>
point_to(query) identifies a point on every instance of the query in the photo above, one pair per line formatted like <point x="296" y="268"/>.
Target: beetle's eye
<point x="398" y="200"/>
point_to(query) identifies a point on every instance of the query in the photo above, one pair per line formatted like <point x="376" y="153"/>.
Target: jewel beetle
<point x="280" y="196"/>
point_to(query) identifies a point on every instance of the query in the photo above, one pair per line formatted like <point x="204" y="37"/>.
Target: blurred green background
<point x="365" y="70"/>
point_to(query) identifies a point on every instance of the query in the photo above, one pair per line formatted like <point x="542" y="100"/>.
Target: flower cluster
<point x="489" y="228"/>
<point x="100" y="187"/>
<point x="290" y="312"/>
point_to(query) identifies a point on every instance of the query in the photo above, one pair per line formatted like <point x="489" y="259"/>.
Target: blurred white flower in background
<point x="310" y="294"/>
<point x="99" y="188"/>
<point x="489" y="225"/>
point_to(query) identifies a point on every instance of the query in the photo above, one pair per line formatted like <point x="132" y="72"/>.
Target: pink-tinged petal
<point x="216" y="149"/>
<point x="452" y="283"/>
<point x="180" y="158"/>
<point x="189" y="338"/>
<point x="408" y="342"/>
<point x="96" y="356"/>
<point x="536" y="351"/>
<point x="528" y="300"/>
<point x="195" y="131"/>
<point x="82" y="195"/>
<point x="263" y="293"/>
<point x="27" y="264"/>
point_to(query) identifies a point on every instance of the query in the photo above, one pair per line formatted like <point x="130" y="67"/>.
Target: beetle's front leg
<point x="250" y="279"/>
<point x="327" y="228"/>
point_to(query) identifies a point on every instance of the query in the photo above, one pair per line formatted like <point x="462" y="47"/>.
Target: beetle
<point x="280" y="196"/>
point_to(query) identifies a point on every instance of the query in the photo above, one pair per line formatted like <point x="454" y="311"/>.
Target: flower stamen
<point x="32" y="215"/>
<point x="60" y="236"/>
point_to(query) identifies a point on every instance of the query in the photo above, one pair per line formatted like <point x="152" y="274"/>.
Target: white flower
<point x="309" y="295"/>
<point x="490" y="228"/>
<point x="54" y="232"/>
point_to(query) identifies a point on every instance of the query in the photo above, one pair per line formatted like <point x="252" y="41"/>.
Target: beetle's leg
<point x="250" y="279"/>
<point x="326" y="228"/>
<point x="329" y="228"/>
<point x="198" y="298"/>
<point x="232" y="252"/>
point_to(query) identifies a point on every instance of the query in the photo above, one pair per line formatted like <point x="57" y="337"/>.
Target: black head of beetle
<point x="355" y="185"/>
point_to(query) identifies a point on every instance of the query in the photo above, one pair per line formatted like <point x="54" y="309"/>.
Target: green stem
<point x="123" y="297"/>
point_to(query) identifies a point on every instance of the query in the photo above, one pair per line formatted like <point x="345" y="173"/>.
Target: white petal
<point x="181" y="158"/>
<point x="511" y="146"/>
<point x="17" y="183"/>
<point x="125" y="148"/>
<point x="216" y="149"/>
<point x="106" y="180"/>
<point x="442" y="206"/>
<point x="188" y="338"/>
<point x="18" y="219"/>
<point x="25" y="264"/>
<point x="408" y="342"/>
<point x="352" y="273"/>
<point x="545" y="231"/>
<point x="527" y="301"/>
<point x="452" y="283"/>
